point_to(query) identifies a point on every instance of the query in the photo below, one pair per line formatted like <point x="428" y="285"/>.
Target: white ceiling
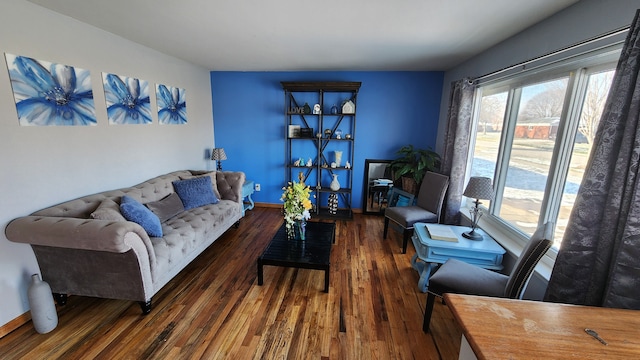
<point x="303" y="35"/>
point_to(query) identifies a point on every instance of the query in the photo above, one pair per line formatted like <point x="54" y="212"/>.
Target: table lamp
<point x="218" y="155"/>
<point x="479" y="188"/>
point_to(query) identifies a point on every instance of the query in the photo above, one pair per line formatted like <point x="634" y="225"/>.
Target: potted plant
<point x="412" y="164"/>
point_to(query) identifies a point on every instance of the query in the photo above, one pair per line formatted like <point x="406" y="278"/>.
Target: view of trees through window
<point x="517" y="131"/>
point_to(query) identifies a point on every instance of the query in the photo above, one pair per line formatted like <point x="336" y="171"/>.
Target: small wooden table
<point x="495" y="328"/>
<point x="312" y="253"/>
<point x="378" y="192"/>
<point x="486" y="253"/>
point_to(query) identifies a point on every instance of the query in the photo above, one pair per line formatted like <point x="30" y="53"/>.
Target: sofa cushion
<point x="134" y="211"/>
<point x="212" y="175"/>
<point x="108" y="210"/>
<point x="167" y="208"/>
<point x="195" y="192"/>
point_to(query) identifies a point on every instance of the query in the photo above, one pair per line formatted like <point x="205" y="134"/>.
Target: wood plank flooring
<point x="214" y="308"/>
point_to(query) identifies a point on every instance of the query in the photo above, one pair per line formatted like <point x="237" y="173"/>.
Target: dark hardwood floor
<point x="214" y="308"/>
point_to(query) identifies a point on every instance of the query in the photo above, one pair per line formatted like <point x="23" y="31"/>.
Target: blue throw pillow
<point x="132" y="210"/>
<point x="195" y="192"/>
<point x="403" y="201"/>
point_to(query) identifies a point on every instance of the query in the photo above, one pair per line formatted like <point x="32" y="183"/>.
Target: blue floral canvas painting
<point x="172" y="106"/>
<point x="48" y="94"/>
<point x="127" y="99"/>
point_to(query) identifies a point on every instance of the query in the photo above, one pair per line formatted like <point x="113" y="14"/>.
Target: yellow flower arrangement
<point x="297" y="203"/>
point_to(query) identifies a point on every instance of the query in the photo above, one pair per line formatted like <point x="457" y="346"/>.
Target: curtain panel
<point x="598" y="263"/>
<point x="456" y="147"/>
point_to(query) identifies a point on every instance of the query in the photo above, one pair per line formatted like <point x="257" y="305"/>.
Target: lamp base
<point x="473" y="235"/>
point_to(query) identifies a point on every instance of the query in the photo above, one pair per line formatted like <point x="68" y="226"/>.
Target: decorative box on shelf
<point x="306" y="132"/>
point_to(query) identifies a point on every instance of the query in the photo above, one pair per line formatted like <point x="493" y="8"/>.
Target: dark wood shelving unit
<point x="320" y="149"/>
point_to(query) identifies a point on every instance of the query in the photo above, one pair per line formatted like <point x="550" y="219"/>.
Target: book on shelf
<point x="441" y="232"/>
<point x="382" y="182"/>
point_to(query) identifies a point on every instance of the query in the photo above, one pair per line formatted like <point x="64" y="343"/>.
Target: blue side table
<point x="486" y="253"/>
<point x="247" y="191"/>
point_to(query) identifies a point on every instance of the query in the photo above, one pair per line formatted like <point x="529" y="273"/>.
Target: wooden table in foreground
<point x="495" y="328"/>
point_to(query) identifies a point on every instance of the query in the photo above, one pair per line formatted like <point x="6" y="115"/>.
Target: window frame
<point x="578" y="69"/>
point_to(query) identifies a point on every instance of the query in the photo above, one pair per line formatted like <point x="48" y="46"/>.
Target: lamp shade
<point x="479" y="187"/>
<point x="218" y="154"/>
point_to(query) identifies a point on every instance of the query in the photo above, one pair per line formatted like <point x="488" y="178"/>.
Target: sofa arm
<point x="75" y="233"/>
<point x="230" y="185"/>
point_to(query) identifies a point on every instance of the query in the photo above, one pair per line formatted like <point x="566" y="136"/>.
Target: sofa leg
<point x="61" y="299"/>
<point x="236" y="225"/>
<point x="145" y="306"/>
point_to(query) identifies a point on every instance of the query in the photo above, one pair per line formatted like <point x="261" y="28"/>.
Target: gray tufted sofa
<point x="115" y="259"/>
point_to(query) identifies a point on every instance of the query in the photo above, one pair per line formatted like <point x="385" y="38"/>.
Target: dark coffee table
<point x="312" y="253"/>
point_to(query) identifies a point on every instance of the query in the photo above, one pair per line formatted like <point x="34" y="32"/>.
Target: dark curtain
<point x="599" y="260"/>
<point x="456" y="147"/>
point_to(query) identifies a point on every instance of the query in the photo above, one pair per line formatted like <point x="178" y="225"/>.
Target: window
<point x="533" y="136"/>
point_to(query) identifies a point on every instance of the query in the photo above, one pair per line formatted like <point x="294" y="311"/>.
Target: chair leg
<point x="405" y="240"/>
<point x="431" y="299"/>
<point x="386" y="227"/>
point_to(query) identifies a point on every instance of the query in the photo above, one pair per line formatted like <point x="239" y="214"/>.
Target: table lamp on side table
<point x="218" y="155"/>
<point x="479" y="188"/>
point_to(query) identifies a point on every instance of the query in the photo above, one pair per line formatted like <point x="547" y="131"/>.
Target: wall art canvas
<point x="172" y="106"/>
<point x="50" y="94"/>
<point x="127" y="99"/>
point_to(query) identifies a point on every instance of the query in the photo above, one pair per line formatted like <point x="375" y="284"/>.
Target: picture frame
<point x="306" y="132"/>
<point x="294" y="131"/>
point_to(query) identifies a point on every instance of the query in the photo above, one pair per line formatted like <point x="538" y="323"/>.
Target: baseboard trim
<point x="268" y="205"/>
<point x="14" y="324"/>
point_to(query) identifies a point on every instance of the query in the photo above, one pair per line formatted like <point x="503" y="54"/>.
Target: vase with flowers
<point x="297" y="203"/>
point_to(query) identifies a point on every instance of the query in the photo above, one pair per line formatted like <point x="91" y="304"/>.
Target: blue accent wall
<point x="393" y="109"/>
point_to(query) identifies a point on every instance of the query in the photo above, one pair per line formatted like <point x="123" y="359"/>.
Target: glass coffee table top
<point x="312" y="253"/>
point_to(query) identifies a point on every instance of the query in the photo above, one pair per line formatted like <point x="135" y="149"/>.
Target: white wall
<point x="43" y="166"/>
<point x="584" y="20"/>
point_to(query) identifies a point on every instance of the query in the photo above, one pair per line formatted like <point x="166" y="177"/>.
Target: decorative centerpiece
<point x="348" y="107"/>
<point x="332" y="204"/>
<point x="338" y="155"/>
<point x="335" y="184"/>
<point x="297" y="203"/>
